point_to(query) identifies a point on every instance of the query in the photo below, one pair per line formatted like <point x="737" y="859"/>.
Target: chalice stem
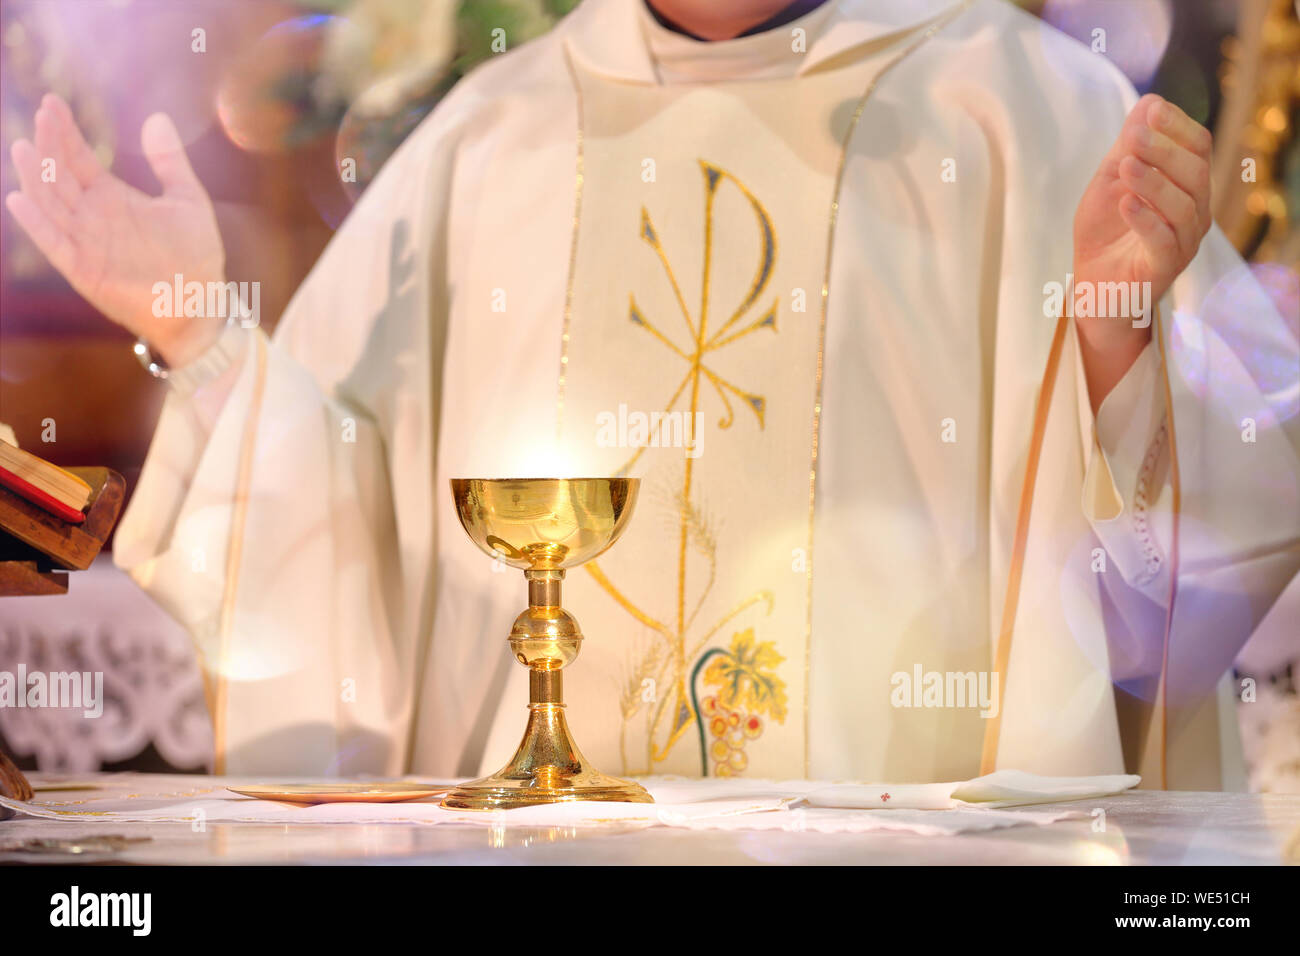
<point x="547" y="754"/>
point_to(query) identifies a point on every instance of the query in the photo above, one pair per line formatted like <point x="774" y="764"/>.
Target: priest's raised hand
<point x="1141" y="220"/>
<point x="111" y="241"/>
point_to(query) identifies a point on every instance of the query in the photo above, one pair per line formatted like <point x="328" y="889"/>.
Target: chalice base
<point x="547" y="768"/>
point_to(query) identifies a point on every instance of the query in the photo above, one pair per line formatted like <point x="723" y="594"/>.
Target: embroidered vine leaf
<point x="746" y="679"/>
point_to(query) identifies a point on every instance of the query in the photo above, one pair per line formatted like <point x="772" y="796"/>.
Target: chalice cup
<point x="544" y="526"/>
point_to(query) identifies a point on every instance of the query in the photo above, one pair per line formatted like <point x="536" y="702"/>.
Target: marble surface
<point x="1141" y="827"/>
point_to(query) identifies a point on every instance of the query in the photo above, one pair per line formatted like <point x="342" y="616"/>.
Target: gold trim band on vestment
<point x="234" y="553"/>
<point x="992" y="733"/>
<point x="1175" y="476"/>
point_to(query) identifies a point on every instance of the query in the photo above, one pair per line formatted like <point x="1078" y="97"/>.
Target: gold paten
<point x="544" y="526"/>
<point x="314" y="793"/>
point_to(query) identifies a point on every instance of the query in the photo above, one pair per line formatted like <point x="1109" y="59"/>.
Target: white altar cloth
<point x="724" y="804"/>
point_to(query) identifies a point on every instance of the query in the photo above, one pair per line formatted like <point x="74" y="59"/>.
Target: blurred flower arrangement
<point x="329" y="80"/>
<point x="385" y="64"/>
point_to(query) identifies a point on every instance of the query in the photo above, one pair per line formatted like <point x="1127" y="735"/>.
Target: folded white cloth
<point x="930" y="809"/>
<point x="1002" y="788"/>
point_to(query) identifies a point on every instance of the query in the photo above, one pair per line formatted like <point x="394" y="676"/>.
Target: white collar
<point x="766" y="55"/>
<point x="607" y="36"/>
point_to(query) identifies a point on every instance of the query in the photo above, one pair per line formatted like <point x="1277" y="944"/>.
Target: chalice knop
<point x="544" y="526"/>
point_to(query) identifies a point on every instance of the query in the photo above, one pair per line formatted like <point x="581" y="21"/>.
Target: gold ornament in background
<point x="544" y="526"/>
<point x="1260" y="77"/>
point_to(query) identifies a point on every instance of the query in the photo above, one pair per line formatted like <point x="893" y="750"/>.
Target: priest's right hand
<point x="113" y="242"/>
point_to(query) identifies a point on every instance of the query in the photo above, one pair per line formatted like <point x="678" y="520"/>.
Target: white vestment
<point x="828" y="246"/>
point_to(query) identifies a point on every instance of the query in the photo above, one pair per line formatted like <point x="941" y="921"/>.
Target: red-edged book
<point x="47" y="486"/>
<point x="37" y="549"/>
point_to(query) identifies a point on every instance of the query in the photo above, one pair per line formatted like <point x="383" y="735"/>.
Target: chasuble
<point x="796" y="283"/>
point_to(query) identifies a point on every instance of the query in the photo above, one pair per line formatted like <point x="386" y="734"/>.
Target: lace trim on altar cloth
<point x="149" y="689"/>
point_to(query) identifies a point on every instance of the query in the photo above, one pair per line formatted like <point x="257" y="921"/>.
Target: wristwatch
<point x="218" y="357"/>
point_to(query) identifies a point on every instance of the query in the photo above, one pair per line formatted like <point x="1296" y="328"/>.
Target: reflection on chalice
<point x="544" y="526"/>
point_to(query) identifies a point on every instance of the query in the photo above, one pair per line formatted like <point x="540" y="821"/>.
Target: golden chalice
<point x="544" y="526"/>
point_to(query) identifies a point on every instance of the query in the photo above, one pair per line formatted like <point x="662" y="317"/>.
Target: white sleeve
<point x="1231" y="362"/>
<point x="276" y="551"/>
<point x="274" y="539"/>
<point x="180" y="436"/>
<point x="1125" y="451"/>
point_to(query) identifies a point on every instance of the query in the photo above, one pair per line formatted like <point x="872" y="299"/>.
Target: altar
<point x="1137" y="827"/>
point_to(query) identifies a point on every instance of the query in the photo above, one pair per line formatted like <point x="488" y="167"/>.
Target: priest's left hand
<point x="1141" y="219"/>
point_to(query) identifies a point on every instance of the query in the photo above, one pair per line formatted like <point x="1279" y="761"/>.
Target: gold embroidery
<point x="748" y="689"/>
<point x="669" y="659"/>
<point x="627" y="605"/>
<point x="674" y="641"/>
<point x="573" y="256"/>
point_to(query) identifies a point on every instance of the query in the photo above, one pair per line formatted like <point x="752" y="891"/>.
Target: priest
<point x="989" y="466"/>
